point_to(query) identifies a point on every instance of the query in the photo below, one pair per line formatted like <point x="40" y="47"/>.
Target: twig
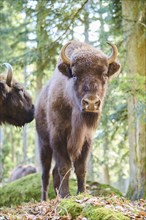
<point x="58" y="190"/>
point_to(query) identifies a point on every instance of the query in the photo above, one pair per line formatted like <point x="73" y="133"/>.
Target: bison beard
<point x="68" y="112"/>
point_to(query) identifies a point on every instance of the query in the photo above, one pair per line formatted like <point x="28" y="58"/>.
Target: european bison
<point x="16" y="106"/>
<point x="21" y="171"/>
<point x="68" y="112"/>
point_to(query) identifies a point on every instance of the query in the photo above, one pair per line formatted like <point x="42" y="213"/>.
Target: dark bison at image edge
<point x="68" y="112"/>
<point x="16" y="106"/>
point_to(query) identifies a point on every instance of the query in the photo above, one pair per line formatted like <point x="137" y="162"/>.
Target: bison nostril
<point x="97" y="103"/>
<point x="85" y="104"/>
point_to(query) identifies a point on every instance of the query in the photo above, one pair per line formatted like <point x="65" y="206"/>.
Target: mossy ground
<point x="83" y="206"/>
<point x="90" y="211"/>
<point x="78" y="207"/>
<point x="97" y="189"/>
<point x="28" y="189"/>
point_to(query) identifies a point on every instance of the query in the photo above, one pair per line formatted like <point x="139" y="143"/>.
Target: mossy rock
<point x="97" y="189"/>
<point x="28" y="189"/>
<point x="88" y="211"/>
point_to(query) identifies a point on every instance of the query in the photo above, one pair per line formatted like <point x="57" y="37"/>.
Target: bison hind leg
<point x="56" y="179"/>
<point x="46" y="159"/>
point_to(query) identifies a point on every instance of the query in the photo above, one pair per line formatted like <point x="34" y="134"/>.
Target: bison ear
<point x="114" y="69"/>
<point x="65" y="69"/>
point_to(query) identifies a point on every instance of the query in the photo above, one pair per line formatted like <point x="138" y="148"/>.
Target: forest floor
<point x="78" y="208"/>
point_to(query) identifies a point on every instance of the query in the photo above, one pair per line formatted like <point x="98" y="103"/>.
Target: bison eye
<point x="74" y="77"/>
<point x="19" y="89"/>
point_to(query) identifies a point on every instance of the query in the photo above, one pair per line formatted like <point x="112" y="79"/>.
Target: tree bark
<point x="42" y="60"/>
<point x="135" y="64"/>
<point x="106" y="174"/>
<point x="1" y="164"/>
<point x="25" y="126"/>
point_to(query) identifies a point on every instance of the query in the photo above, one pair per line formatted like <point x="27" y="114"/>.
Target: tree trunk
<point x="86" y="23"/>
<point x="42" y="60"/>
<point x="102" y="34"/>
<point x="1" y="164"/>
<point x="42" y="38"/>
<point x="106" y="175"/>
<point x="25" y="126"/>
<point x="133" y="26"/>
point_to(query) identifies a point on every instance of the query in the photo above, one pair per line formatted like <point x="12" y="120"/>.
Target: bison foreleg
<point x="63" y="168"/>
<point x="64" y="172"/>
<point x="80" y="165"/>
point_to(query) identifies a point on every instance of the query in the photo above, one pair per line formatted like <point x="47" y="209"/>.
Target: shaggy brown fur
<point x="68" y="112"/>
<point x="16" y="106"/>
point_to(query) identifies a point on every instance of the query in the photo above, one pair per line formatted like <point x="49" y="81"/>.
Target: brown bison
<point x="21" y="171"/>
<point x="68" y="112"/>
<point x="16" y="106"/>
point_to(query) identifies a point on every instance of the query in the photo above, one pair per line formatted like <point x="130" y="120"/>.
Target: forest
<point x="32" y="33"/>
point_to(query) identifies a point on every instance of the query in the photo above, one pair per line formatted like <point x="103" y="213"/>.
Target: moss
<point x="69" y="206"/>
<point x="91" y="212"/>
<point x="144" y="195"/>
<point x="29" y="188"/>
<point x="98" y="213"/>
<point x="20" y="190"/>
<point x="23" y="190"/>
<point x="97" y="189"/>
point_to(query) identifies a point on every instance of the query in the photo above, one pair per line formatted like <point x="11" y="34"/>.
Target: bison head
<point x="88" y="70"/>
<point x="16" y="106"/>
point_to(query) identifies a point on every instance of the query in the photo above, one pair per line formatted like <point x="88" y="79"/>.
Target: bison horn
<point x="9" y="73"/>
<point x="114" y="54"/>
<point x="63" y="55"/>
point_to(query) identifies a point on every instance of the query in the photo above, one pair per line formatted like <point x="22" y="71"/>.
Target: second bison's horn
<point x="63" y="55"/>
<point x="9" y="73"/>
<point x="114" y="54"/>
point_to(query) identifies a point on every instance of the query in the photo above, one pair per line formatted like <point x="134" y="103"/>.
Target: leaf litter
<point x="49" y="210"/>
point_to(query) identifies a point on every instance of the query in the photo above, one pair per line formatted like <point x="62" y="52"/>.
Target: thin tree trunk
<point x="86" y="23"/>
<point x="133" y="26"/>
<point x="25" y="127"/>
<point x="102" y="35"/>
<point x="106" y="174"/>
<point x="1" y="164"/>
<point x="42" y="60"/>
